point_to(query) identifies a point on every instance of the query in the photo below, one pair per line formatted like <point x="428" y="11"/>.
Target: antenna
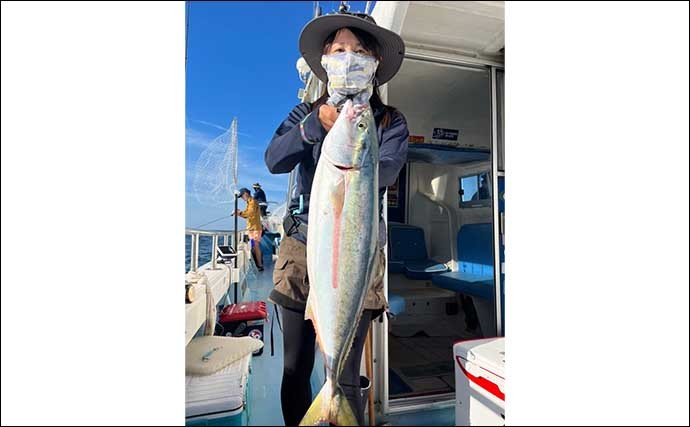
<point x="233" y="149"/>
<point x="366" y="8"/>
<point x="186" y="34"/>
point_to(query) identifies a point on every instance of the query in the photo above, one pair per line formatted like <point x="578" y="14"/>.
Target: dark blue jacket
<point x="287" y="150"/>
<point x="259" y="195"/>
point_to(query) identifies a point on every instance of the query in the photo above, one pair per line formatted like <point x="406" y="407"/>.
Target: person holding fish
<point x="347" y="147"/>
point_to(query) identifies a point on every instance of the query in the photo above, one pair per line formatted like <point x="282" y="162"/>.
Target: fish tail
<point x="330" y="407"/>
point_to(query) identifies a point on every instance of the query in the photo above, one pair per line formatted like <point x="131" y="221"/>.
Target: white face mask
<point x="349" y="74"/>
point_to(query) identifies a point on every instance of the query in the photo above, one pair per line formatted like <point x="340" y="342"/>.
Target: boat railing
<point x="228" y="239"/>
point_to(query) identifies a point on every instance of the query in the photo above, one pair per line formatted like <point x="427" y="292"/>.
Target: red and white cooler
<point x="479" y="382"/>
<point x="245" y="319"/>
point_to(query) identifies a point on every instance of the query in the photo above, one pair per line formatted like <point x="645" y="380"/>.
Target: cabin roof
<point x="468" y="28"/>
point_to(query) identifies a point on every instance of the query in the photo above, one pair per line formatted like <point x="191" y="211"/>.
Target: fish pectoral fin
<point x="308" y="315"/>
<point x="338" y="196"/>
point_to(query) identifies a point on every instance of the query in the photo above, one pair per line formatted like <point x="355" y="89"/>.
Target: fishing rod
<point x="211" y="222"/>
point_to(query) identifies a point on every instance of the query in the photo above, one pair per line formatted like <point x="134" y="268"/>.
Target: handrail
<point x="190" y="231"/>
<point x="215" y="235"/>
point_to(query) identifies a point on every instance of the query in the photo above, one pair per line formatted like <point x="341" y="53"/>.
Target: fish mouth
<point x="337" y="165"/>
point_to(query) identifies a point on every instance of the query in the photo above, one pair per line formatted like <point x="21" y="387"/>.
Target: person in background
<point x="253" y="217"/>
<point x="260" y="197"/>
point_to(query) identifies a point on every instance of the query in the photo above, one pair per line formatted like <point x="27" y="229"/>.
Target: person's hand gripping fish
<point x="328" y="114"/>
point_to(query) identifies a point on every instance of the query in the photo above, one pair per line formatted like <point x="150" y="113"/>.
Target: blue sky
<point x="241" y="63"/>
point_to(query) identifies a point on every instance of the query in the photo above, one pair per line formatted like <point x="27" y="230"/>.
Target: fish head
<point x="352" y="140"/>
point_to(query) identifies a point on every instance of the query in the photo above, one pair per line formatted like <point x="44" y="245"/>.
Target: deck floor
<point x="264" y="400"/>
<point x="267" y="370"/>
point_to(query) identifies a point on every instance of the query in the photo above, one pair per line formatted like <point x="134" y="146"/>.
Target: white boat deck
<point x="195" y="313"/>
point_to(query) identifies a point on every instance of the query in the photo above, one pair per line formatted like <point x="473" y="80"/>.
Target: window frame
<point x="479" y="203"/>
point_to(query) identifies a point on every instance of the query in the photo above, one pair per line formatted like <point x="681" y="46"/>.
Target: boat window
<point x="475" y="191"/>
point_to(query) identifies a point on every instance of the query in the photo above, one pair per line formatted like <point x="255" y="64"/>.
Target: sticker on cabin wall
<point x="393" y="194"/>
<point x="393" y="201"/>
<point x="415" y="139"/>
<point x="445" y="134"/>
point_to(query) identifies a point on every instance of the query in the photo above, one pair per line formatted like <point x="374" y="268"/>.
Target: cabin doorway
<point x="440" y="278"/>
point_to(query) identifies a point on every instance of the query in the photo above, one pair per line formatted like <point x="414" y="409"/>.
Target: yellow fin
<point x="329" y="408"/>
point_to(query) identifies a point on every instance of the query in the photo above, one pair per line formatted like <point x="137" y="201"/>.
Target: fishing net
<point x="215" y="175"/>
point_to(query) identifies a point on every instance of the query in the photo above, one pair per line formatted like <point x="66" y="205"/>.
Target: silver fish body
<point x="341" y="248"/>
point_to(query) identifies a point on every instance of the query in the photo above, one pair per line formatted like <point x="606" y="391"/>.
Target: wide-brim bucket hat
<point x="314" y="34"/>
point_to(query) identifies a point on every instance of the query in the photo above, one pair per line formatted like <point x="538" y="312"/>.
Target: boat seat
<point x="424" y="269"/>
<point x="456" y="281"/>
<point x="221" y="398"/>
<point x="396" y="266"/>
<point x="475" y="275"/>
<point x="396" y="304"/>
<point x="408" y="253"/>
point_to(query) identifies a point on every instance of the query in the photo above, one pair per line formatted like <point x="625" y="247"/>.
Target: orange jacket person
<point x="253" y="216"/>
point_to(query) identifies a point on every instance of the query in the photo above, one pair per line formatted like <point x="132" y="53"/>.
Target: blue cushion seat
<point x="396" y="303"/>
<point x="475" y="263"/>
<point x="423" y="269"/>
<point x="476" y="286"/>
<point x="396" y="266"/>
<point x="408" y="253"/>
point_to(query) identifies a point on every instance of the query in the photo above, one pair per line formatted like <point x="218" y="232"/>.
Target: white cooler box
<point x="220" y="398"/>
<point x="479" y="382"/>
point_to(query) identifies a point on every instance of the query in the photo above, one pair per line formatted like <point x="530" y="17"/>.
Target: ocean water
<point x="205" y="243"/>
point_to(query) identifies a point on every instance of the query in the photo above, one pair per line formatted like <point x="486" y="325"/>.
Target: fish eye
<point x="361" y="125"/>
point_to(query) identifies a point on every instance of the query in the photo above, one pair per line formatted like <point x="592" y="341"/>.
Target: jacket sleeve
<point x="393" y="150"/>
<point x="251" y="210"/>
<point x="287" y="148"/>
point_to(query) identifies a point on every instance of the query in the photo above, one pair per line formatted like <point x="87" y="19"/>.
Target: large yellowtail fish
<point x="341" y="248"/>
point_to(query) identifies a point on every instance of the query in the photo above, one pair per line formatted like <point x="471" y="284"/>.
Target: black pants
<point x="298" y="360"/>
